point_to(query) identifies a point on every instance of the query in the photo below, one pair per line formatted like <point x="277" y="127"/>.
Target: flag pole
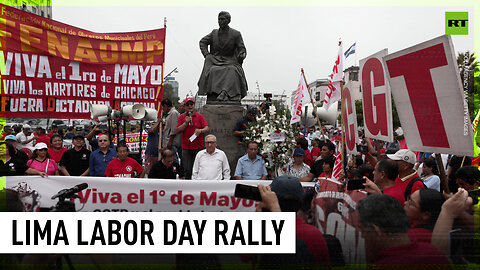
<point x="314" y="107"/>
<point x="343" y="128"/>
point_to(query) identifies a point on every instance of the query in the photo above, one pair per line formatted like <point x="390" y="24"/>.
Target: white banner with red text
<point x="428" y="94"/>
<point x="349" y="118"/>
<point x="376" y="98"/>
<point x="106" y="194"/>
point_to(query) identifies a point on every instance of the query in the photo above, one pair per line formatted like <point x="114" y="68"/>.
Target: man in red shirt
<point x="123" y="166"/>
<point x="193" y="125"/>
<point x="408" y="179"/>
<point x="384" y="175"/>
<point x="384" y="226"/>
<point x="42" y="138"/>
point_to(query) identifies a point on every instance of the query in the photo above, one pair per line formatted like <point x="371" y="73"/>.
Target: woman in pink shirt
<point x="41" y="162"/>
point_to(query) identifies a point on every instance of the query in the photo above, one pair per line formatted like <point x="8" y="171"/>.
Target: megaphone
<point x="331" y="115"/>
<point x="150" y="115"/>
<point x="103" y="119"/>
<point x="97" y="110"/>
<point x="136" y="111"/>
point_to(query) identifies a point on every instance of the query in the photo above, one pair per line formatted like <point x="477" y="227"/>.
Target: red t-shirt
<point x="315" y="152"/>
<point x="124" y="169"/>
<point x="44" y="138"/>
<point x="198" y="122"/>
<point x="414" y="253"/>
<point x="308" y="158"/>
<point x="420" y="235"/>
<point x="56" y="155"/>
<point x="396" y="192"/>
<point x="314" y="240"/>
<point x="403" y="185"/>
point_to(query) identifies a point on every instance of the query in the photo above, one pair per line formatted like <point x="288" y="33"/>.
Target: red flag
<point x="338" y="166"/>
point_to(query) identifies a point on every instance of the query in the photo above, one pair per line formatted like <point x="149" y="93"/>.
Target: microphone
<point x="64" y="193"/>
<point x="190" y="123"/>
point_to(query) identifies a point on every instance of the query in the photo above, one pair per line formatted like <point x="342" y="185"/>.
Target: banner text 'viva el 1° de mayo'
<point x="53" y="70"/>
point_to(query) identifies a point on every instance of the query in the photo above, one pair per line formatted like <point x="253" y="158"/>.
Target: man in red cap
<point x="193" y="125"/>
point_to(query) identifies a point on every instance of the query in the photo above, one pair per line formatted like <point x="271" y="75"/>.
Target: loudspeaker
<point x="331" y="115"/>
<point x="136" y="111"/>
<point x="150" y="114"/>
<point x="103" y="119"/>
<point x="97" y="110"/>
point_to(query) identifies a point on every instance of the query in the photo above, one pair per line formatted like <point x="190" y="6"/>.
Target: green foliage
<point x="168" y="93"/>
<point x="359" y="109"/>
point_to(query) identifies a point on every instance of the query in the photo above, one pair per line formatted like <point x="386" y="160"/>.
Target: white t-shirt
<point x="21" y="137"/>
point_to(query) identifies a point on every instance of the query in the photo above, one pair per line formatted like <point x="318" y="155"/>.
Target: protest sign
<point x="429" y="97"/>
<point x="56" y="70"/>
<point x="349" y="118"/>
<point x="336" y="215"/>
<point x="377" y="99"/>
<point x="106" y="194"/>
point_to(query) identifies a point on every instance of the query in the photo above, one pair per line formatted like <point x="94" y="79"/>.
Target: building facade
<point x="39" y="7"/>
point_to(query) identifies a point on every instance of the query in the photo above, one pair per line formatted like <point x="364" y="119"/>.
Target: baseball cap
<point x="252" y="110"/>
<point x="27" y="127"/>
<point x="299" y="152"/>
<point x="287" y="185"/>
<point x="10" y="137"/>
<point x="188" y="100"/>
<point x="41" y="145"/>
<point x="405" y="155"/>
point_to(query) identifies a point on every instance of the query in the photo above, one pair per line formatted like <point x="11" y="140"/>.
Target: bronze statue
<point x="222" y="78"/>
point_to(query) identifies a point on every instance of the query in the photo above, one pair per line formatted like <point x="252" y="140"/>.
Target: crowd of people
<point x="406" y="218"/>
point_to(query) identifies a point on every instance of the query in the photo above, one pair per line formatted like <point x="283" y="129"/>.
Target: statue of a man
<point x="222" y="78"/>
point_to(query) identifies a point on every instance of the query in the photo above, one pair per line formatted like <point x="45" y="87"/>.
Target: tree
<point x="468" y="68"/>
<point x="359" y="109"/>
<point x="168" y="93"/>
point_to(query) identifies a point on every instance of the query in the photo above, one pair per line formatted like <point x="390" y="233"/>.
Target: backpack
<point x="408" y="190"/>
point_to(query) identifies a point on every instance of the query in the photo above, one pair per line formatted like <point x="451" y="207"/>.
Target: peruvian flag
<point x="301" y="98"/>
<point x="338" y="166"/>
<point x="333" y="92"/>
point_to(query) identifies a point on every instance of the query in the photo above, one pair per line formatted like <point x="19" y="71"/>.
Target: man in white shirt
<point x="26" y="137"/>
<point x="211" y="163"/>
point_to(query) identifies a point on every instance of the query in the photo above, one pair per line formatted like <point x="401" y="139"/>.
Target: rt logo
<point x="456" y="23"/>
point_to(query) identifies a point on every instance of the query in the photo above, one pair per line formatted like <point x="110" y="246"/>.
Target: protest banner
<point x="336" y="215"/>
<point x="133" y="141"/>
<point x="53" y="70"/>
<point x="428" y="94"/>
<point x="349" y="119"/>
<point x="376" y="98"/>
<point x="106" y="194"/>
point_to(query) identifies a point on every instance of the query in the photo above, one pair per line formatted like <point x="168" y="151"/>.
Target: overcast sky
<point x="280" y="40"/>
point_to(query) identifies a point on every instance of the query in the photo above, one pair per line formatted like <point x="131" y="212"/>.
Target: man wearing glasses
<point x="211" y="163"/>
<point x="193" y="125"/>
<point x="100" y="158"/>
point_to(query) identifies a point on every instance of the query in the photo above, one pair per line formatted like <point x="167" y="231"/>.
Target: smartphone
<point x="356" y="183"/>
<point x="362" y="148"/>
<point x="247" y="192"/>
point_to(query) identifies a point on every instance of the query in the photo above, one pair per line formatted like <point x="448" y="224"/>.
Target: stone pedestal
<point x="221" y="120"/>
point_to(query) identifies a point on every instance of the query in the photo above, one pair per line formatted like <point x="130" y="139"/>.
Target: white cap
<point x="41" y="145"/>
<point x="405" y="155"/>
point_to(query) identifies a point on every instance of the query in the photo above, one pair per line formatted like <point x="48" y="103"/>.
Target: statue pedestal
<point x="221" y="120"/>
